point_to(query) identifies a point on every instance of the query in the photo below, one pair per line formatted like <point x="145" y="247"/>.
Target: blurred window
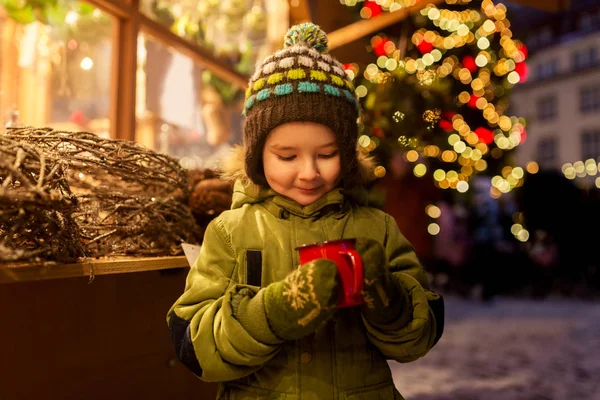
<point x="55" y="65"/>
<point x="585" y="58"/>
<point x="590" y="144"/>
<point x="547" y="69"/>
<point x="178" y="113"/>
<point x="547" y="108"/>
<point x="589" y="99"/>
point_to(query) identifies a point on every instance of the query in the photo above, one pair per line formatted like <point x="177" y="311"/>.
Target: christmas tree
<point x="439" y="91"/>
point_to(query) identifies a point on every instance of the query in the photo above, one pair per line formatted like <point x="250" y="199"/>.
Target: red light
<point x="485" y="135"/>
<point x="469" y="63"/>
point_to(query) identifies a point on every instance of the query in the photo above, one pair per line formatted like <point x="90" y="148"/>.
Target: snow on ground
<point x="511" y="349"/>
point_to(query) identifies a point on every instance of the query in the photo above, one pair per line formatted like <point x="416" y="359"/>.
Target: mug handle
<point x="357" y="269"/>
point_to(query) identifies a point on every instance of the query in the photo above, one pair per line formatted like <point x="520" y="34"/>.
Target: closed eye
<point x="282" y="158"/>
<point x="330" y="155"/>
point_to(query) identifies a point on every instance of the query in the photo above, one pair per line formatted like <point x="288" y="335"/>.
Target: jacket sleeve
<point x="421" y="323"/>
<point x="208" y="339"/>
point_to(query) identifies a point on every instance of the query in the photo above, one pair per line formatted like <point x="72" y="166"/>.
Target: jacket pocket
<point x="381" y="391"/>
<point x="238" y="391"/>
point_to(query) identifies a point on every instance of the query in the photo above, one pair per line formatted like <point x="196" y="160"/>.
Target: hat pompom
<point x="308" y="33"/>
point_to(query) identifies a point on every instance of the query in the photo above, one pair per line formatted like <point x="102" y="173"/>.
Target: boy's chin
<point x="306" y="199"/>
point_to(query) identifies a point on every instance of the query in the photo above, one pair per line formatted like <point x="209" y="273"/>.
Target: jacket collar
<point x="336" y="201"/>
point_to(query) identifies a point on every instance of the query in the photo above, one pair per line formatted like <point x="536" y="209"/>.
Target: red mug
<point x="349" y="264"/>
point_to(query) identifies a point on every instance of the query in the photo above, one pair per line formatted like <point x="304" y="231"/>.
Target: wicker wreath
<point x="36" y="206"/>
<point x="132" y="200"/>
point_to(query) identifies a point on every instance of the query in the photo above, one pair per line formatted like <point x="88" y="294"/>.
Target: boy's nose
<point x="308" y="171"/>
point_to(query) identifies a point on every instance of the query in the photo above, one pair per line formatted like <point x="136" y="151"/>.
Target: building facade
<point x="561" y="96"/>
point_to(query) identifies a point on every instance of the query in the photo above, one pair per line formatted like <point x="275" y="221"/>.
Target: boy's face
<point x="301" y="161"/>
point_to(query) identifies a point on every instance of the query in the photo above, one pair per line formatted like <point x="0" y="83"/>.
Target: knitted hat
<point x="301" y="83"/>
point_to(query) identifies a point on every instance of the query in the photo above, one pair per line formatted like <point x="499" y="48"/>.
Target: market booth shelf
<point x="65" y="337"/>
<point x="115" y="265"/>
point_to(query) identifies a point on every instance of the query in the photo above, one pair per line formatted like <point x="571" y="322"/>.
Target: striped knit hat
<point x="301" y="83"/>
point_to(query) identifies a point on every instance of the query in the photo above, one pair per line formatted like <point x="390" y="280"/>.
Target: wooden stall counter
<point x="93" y="330"/>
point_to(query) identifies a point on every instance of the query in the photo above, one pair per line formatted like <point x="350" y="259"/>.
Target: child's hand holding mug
<point x="349" y="266"/>
<point x="384" y="298"/>
<point x="305" y="299"/>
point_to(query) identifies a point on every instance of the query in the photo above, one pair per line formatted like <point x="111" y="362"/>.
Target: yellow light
<point x="597" y="182"/>
<point x="449" y="42"/>
<point x="361" y="91"/>
<point x="433" y="13"/>
<point x="372" y="69"/>
<point x="495" y="193"/>
<point x="472" y="138"/>
<point x="518" y="172"/>
<point x="505" y="123"/>
<point x="379" y="171"/>
<point x="579" y="167"/>
<point x="411" y="66"/>
<point x="412" y="156"/>
<point x="516" y="228"/>
<point x="477" y="84"/>
<point x="453" y="139"/>
<point x="449" y="156"/>
<point x="452" y="176"/>
<point x="433" y="211"/>
<point x="439" y="175"/>
<point x="395" y="7"/>
<point x="496" y="180"/>
<point x="523" y="235"/>
<point x="481" y="103"/>
<point x="463" y="30"/>
<point x="467" y="170"/>
<point x="483" y="43"/>
<point x="590" y="167"/>
<point x="86" y="63"/>
<point x="433" y="229"/>
<point x="513" y="78"/>
<point x="481" y="165"/>
<point x="532" y="167"/>
<point x="420" y="170"/>
<point x="481" y="60"/>
<point x="479" y="151"/>
<point x="570" y="173"/>
<point x="429" y="36"/>
<point x="462" y="186"/>
<point x="489" y="26"/>
<point x="428" y="59"/>
<point x="366" y="13"/>
<point x="391" y="64"/>
<point x="464" y="97"/>
<point x="459" y="147"/>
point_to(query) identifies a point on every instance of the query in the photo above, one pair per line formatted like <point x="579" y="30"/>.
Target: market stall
<point x="91" y="258"/>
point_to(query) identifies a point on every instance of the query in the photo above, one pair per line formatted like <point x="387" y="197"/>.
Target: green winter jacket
<point x="253" y="245"/>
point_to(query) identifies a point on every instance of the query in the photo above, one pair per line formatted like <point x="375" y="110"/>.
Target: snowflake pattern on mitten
<point x="299" y="291"/>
